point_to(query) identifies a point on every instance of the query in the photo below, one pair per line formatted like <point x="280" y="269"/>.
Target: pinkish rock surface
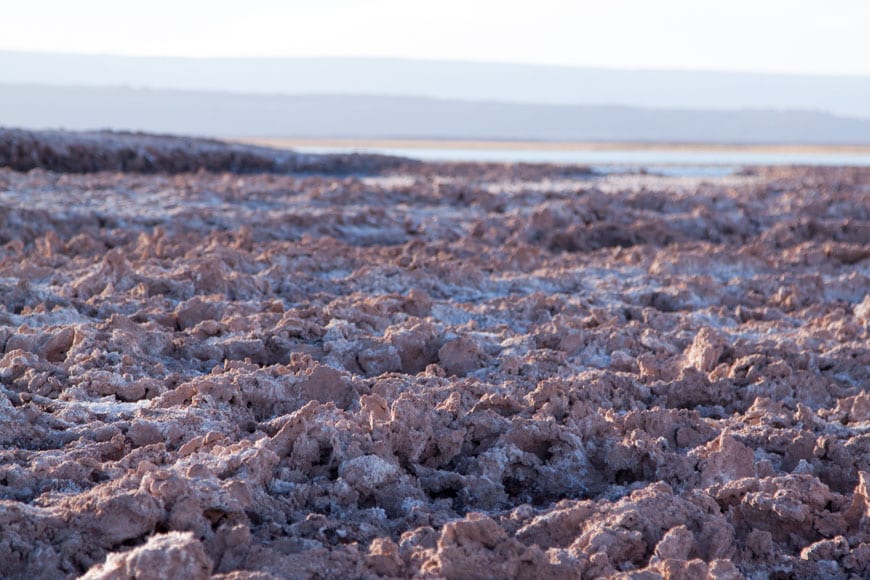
<point x="449" y="371"/>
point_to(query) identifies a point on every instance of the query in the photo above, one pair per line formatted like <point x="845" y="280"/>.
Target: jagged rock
<point x="254" y="374"/>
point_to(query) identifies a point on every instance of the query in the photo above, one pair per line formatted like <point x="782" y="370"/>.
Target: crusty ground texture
<point x="438" y="371"/>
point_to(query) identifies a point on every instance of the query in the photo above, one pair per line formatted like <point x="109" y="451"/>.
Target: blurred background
<point x="552" y="79"/>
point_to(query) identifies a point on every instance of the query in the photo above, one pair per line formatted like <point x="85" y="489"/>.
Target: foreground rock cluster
<point x="440" y="371"/>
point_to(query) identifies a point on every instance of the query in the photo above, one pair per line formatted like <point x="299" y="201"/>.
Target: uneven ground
<point x="442" y="371"/>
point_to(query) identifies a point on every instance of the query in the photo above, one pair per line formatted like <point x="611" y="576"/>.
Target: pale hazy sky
<point x="800" y="36"/>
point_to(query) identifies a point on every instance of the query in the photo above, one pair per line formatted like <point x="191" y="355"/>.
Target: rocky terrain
<point x="440" y="371"/>
<point x="84" y="152"/>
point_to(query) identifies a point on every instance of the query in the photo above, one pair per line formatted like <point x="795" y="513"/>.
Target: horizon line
<point x="561" y="66"/>
<point x="422" y="97"/>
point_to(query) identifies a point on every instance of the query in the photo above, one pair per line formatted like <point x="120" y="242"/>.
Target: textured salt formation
<point x="142" y="153"/>
<point x="172" y="555"/>
<point x="451" y="371"/>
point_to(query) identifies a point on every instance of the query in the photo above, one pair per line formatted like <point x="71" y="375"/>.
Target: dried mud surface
<point x="445" y="371"/>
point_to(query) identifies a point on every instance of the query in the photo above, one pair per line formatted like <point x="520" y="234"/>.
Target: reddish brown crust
<point x="503" y="374"/>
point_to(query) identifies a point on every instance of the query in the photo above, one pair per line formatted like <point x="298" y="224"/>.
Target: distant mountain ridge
<point x="517" y="83"/>
<point x="368" y="116"/>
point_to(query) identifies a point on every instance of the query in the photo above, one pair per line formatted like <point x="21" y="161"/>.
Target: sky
<point x="788" y="36"/>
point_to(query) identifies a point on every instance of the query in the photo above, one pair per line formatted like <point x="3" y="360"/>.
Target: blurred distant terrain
<point x="370" y="98"/>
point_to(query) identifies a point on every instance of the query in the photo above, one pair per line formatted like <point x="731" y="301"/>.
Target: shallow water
<point x="669" y="162"/>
